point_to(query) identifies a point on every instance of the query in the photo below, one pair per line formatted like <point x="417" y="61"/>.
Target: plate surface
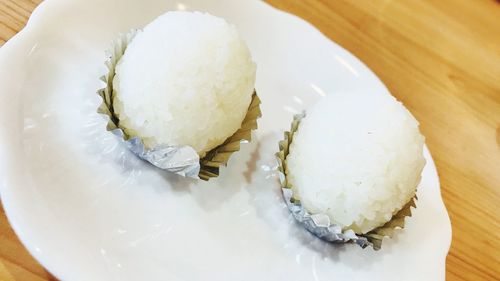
<point x="89" y="210"/>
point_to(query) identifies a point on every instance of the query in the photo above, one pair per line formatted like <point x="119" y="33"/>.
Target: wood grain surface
<point x="442" y="59"/>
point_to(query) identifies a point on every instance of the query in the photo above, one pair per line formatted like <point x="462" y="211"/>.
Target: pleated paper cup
<point x="320" y="224"/>
<point x="181" y="160"/>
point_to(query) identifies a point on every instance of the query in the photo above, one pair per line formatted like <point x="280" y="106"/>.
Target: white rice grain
<point x="186" y="79"/>
<point x="357" y="158"/>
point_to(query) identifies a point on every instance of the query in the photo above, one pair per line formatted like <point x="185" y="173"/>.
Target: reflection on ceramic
<point x="89" y="210"/>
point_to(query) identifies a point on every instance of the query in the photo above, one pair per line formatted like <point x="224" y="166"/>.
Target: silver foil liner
<point x="320" y="224"/>
<point x="181" y="160"/>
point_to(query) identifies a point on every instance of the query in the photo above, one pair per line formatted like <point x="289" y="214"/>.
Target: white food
<point x="357" y="158"/>
<point x="186" y="79"/>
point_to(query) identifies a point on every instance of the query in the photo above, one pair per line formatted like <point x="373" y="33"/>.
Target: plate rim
<point x="22" y="38"/>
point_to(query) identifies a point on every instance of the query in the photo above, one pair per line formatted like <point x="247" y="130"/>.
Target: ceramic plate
<point x="89" y="210"/>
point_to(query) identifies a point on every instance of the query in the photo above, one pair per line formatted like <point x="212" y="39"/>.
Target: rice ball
<point x="357" y="158"/>
<point x="186" y="79"/>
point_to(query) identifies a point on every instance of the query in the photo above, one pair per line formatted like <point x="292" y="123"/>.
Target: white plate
<point x="88" y="210"/>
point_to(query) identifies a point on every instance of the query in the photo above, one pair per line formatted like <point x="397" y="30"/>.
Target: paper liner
<point x="181" y="160"/>
<point x="219" y="156"/>
<point x="319" y="224"/>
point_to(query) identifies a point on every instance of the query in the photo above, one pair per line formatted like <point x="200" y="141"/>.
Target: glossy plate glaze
<point x="89" y="210"/>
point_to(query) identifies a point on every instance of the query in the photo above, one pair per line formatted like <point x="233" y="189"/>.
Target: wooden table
<point x="442" y="59"/>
